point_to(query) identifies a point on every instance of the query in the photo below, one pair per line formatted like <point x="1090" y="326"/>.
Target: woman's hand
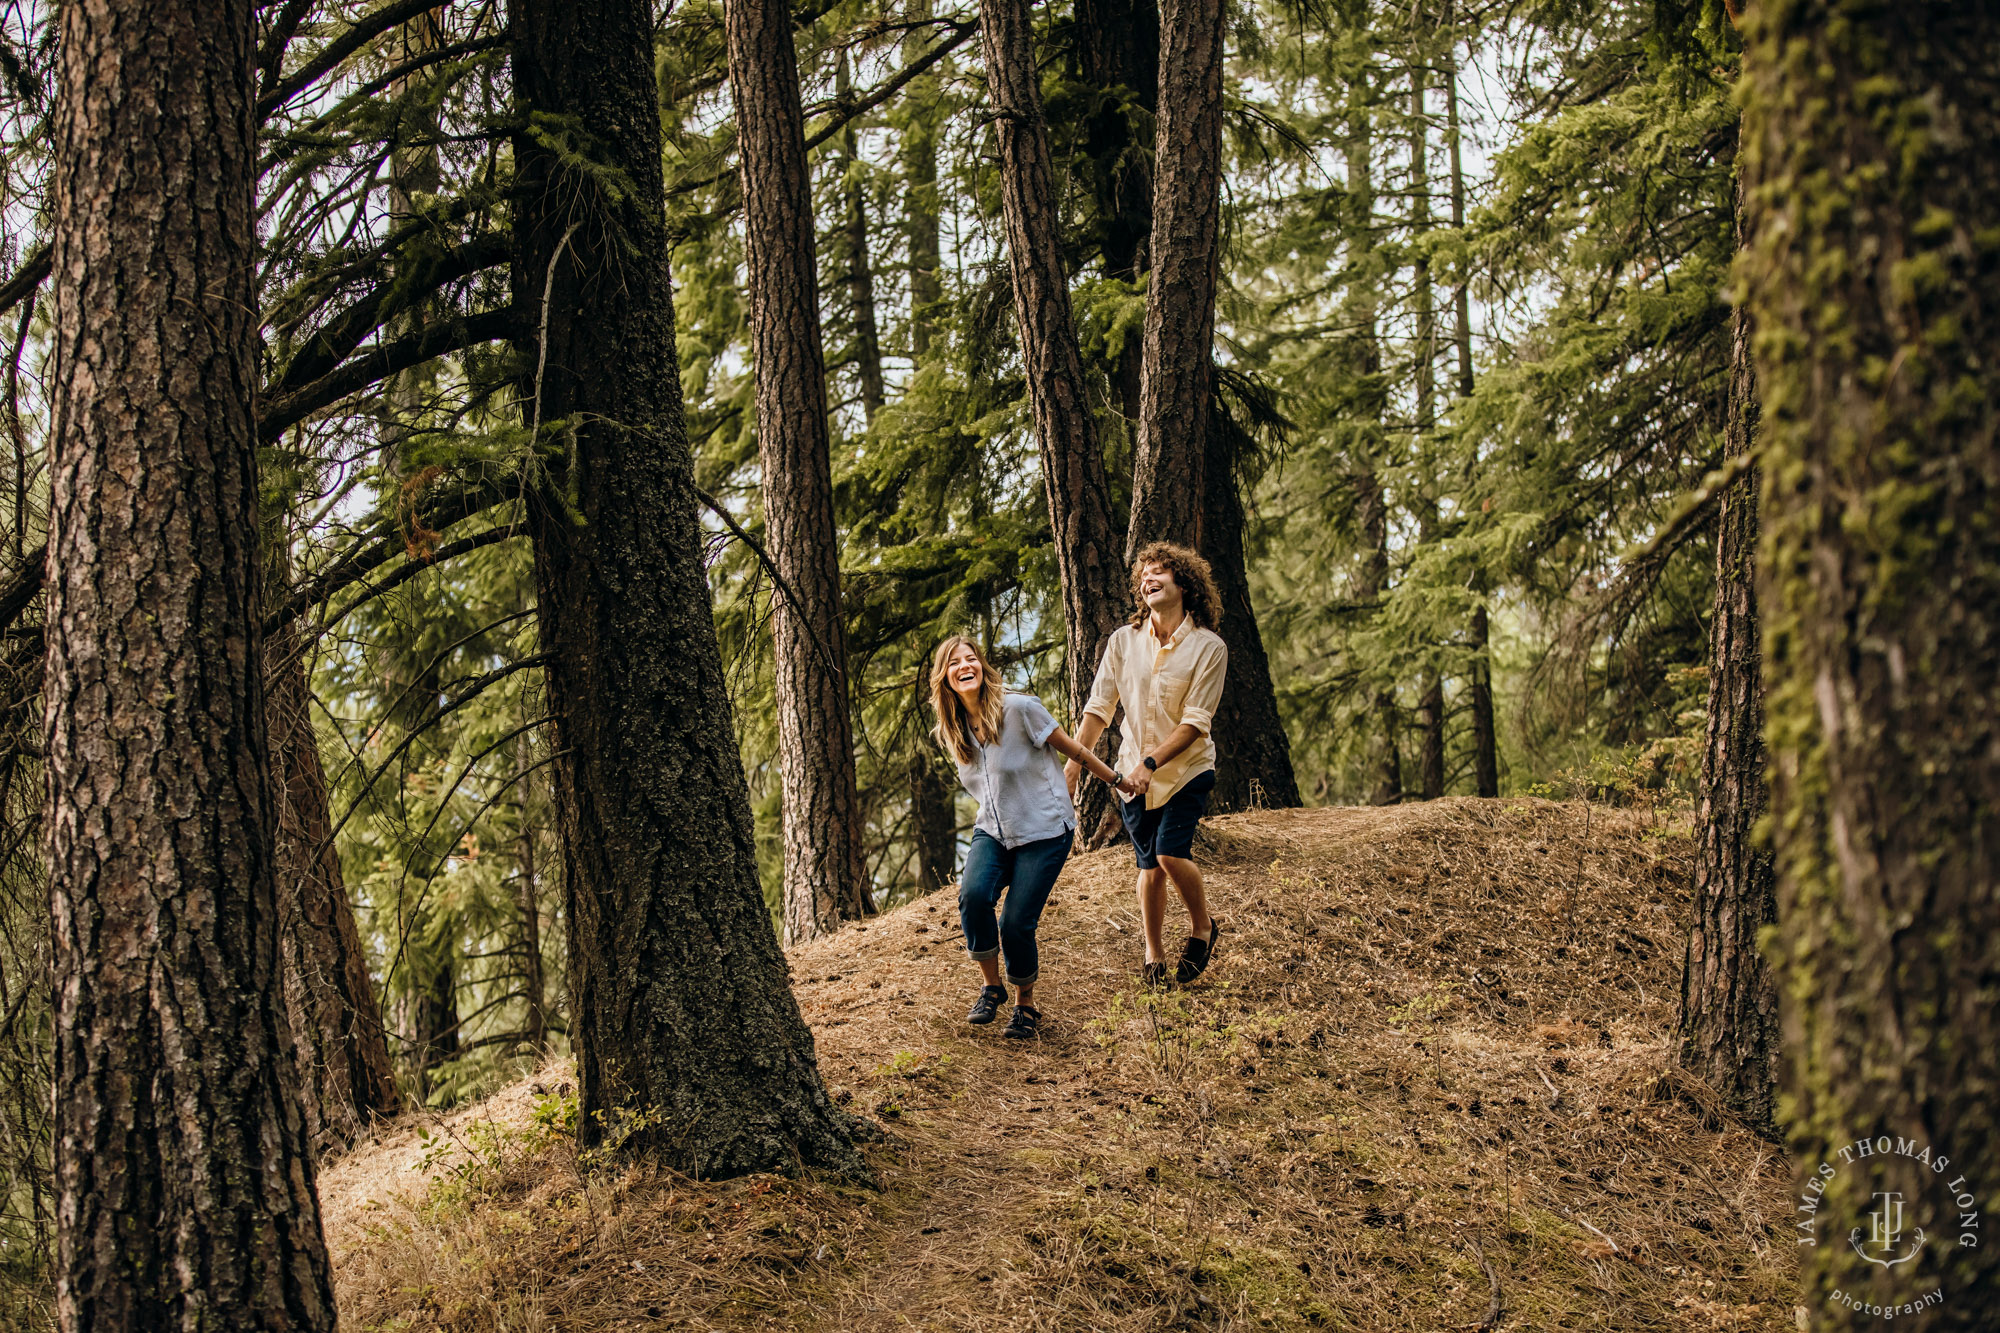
<point x="1137" y="782"/>
<point x="1071" y="772"/>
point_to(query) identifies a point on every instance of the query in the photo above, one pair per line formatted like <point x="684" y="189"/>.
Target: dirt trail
<point x="1434" y="1043"/>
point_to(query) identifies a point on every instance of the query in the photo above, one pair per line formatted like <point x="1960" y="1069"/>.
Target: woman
<point x="1005" y="746"/>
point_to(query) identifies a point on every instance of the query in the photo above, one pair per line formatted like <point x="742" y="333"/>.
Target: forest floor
<point x="1430" y="1069"/>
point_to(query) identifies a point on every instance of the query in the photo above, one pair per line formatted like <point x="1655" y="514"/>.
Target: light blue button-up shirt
<point x="1018" y="780"/>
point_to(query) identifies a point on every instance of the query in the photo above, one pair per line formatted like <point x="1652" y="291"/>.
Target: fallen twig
<point x="1492" y="1318"/>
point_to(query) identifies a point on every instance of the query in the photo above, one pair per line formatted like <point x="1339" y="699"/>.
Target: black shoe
<point x="987" y="1005"/>
<point x="1198" y="954"/>
<point x="1024" y="1024"/>
<point x="1153" y="975"/>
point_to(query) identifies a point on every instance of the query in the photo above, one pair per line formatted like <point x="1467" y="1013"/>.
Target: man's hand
<point x="1140" y="779"/>
<point x="1071" y="772"/>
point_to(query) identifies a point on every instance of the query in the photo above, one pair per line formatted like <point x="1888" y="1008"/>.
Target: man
<point x="1166" y="667"/>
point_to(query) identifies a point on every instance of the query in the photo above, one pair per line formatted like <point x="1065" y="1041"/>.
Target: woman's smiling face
<point x="964" y="671"/>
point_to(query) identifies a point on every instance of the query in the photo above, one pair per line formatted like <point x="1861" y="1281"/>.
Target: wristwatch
<point x="1151" y="767"/>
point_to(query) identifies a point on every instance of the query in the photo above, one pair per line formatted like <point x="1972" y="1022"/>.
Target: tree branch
<point x="378" y="363"/>
<point x="365" y="30"/>
<point x="33" y="272"/>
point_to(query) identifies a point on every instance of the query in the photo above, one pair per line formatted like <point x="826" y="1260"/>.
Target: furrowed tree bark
<point x="685" y="1029"/>
<point x="823" y="865"/>
<point x="1168" y="469"/>
<point x="528" y="900"/>
<point x="1253" y="757"/>
<point x="1385" y="764"/>
<point x="346" y="1079"/>
<point x="1874" y="288"/>
<point x="1728" y="1024"/>
<point x="182" y="1162"/>
<point x="1088" y="560"/>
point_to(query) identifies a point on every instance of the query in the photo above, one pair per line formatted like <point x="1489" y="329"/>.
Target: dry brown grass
<point x="1435" y="1042"/>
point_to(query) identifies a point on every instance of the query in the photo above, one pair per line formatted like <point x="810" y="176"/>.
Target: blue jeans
<point x="1031" y="870"/>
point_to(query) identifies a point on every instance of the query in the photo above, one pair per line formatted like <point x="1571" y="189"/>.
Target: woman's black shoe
<point x="1198" y="954"/>
<point x="1024" y="1023"/>
<point x="987" y="1005"/>
<point x="1153" y="974"/>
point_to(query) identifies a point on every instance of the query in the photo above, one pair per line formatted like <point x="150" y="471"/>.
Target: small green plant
<point x="911" y="1064"/>
<point x="554" y="1116"/>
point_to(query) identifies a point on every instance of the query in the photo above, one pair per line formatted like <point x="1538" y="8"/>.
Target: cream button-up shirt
<point x="1162" y="685"/>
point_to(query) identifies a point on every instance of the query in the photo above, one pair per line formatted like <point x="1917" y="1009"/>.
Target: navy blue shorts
<point x="1169" y="830"/>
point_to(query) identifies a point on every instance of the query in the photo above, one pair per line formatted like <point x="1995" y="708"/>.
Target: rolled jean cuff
<point x="1013" y="980"/>
<point x="981" y="955"/>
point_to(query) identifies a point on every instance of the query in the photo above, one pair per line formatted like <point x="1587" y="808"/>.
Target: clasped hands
<point x="1132" y="787"/>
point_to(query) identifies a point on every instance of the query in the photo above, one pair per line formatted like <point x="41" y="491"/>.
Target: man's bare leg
<point x="1186" y="876"/>
<point x="1153" y="912"/>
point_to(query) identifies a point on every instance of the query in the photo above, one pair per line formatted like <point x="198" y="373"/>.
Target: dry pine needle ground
<point x="1431" y="1061"/>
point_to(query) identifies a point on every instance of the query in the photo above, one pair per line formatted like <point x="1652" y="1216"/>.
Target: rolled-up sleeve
<point x="1103" y="703"/>
<point x="1205" y="688"/>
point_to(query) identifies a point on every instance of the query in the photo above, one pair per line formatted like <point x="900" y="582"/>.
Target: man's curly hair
<point x="1195" y="579"/>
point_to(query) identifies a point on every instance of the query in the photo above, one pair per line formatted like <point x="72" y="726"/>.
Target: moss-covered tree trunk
<point x="824" y="871"/>
<point x="1118" y="56"/>
<point x="1729" y="999"/>
<point x="685" y="1029"/>
<point x="182" y="1163"/>
<point x="1874" y="286"/>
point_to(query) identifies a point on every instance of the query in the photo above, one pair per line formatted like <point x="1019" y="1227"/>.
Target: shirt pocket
<point x="1171" y="684"/>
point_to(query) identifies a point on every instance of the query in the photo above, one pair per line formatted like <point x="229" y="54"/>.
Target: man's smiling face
<point x="1157" y="587"/>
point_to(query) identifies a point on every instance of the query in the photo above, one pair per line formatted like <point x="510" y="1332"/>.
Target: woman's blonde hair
<point x="958" y="730"/>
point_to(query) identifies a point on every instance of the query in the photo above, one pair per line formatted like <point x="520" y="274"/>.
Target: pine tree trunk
<point x="1485" y="753"/>
<point x="528" y="902"/>
<point x="1729" y="1001"/>
<point x="346" y="1079"/>
<point x="1118" y="53"/>
<point x="824" y="882"/>
<point x="1485" y="741"/>
<point x="1875" y="291"/>
<point x="918" y="151"/>
<point x="1253" y="758"/>
<point x="680" y="1013"/>
<point x="860" y="271"/>
<point x="1384" y="757"/>
<point x="934" y="818"/>
<point x="1168" y="469"/>
<point x="1087" y="556"/>
<point x="1430" y="734"/>
<point x="1430" y="698"/>
<point x="182" y="1161"/>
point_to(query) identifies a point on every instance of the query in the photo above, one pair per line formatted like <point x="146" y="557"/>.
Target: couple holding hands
<point x="1166" y="667"/>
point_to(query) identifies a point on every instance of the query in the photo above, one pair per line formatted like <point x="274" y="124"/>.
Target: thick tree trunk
<point x="823" y="865"/>
<point x="1253" y="758"/>
<point x="182" y="1161"/>
<point x="1875" y="291"/>
<point x="434" y="1009"/>
<point x="1086" y="546"/>
<point x="860" y="271"/>
<point x="1729" y="1000"/>
<point x="685" y="1030"/>
<point x="1168" y="469"/>
<point x="346" y="1080"/>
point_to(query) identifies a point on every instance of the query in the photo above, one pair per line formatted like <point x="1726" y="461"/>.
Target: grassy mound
<point x="1426" y="1081"/>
